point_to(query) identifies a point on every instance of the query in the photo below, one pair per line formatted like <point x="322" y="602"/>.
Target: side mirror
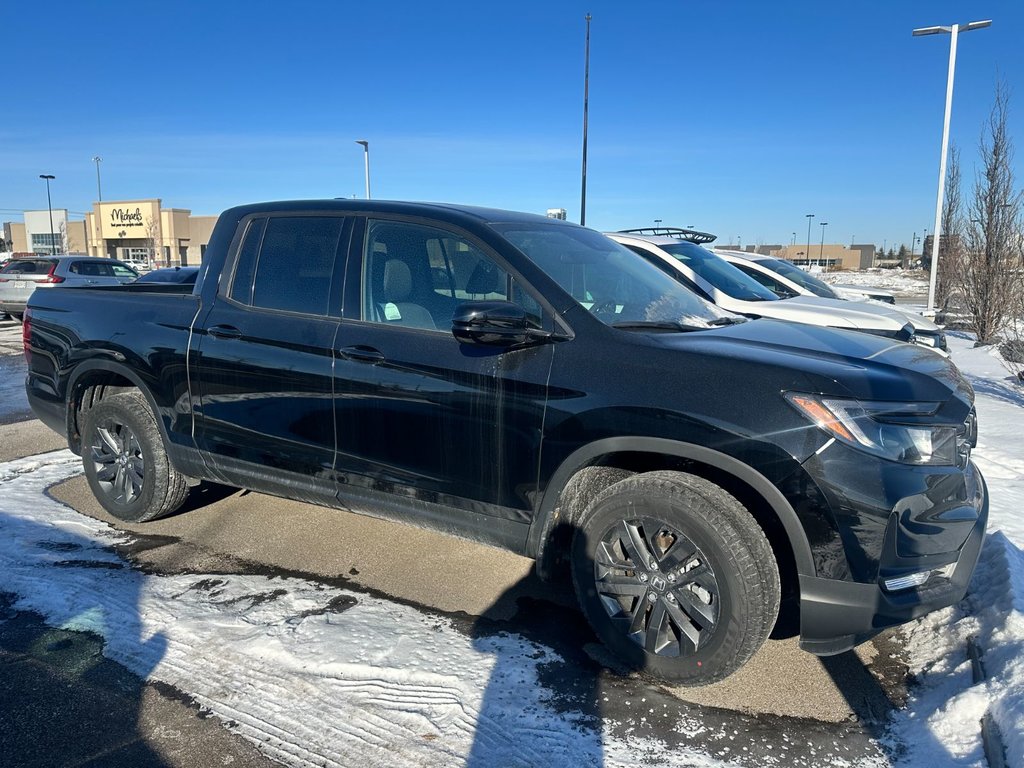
<point x="493" y="323"/>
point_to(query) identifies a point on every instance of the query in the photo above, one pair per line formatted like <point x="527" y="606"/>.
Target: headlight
<point x="934" y="340"/>
<point x="857" y="424"/>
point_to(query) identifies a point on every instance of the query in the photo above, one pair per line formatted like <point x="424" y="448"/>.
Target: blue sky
<point x="735" y="117"/>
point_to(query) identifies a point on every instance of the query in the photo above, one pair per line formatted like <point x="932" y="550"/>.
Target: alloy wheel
<point x="657" y="586"/>
<point x="117" y="458"/>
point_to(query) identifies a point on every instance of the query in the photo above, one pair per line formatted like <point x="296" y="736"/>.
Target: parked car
<point x="811" y="283"/>
<point x="863" y="293"/>
<point x="20" y="277"/>
<point x="714" y="279"/>
<point x="172" y="275"/>
<point x="786" y="280"/>
<point x="531" y="384"/>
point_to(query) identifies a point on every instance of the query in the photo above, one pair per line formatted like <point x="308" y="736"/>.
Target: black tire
<point x="125" y="461"/>
<point x="708" y="595"/>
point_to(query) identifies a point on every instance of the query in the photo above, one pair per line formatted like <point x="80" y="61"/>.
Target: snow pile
<point x="940" y="725"/>
<point x="897" y="281"/>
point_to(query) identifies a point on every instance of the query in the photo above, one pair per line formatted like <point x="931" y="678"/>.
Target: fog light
<point x="917" y="579"/>
<point x="906" y="582"/>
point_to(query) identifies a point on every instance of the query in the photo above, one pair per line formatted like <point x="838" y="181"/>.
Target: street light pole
<point x="366" y="157"/>
<point x="49" y="207"/>
<point x="954" y="32"/>
<point x="586" y="107"/>
<point x="809" y="217"/>
<point x="99" y="189"/>
<point x="821" y="249"/>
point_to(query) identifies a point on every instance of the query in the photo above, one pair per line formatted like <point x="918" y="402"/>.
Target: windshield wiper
<point x="657" y="325"/>
<point x="728" y="321"/>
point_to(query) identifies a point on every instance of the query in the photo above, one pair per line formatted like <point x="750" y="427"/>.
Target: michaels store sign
<point x="128" y="219"/>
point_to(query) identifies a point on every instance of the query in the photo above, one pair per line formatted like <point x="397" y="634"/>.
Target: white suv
<point x="786" y="279"/>
<point x="714" y="279"/>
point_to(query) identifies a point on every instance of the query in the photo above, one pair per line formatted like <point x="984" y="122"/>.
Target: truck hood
<point x="874" y="308"/>
<point x="832" y="312"/>
<point x="832" y="362"/>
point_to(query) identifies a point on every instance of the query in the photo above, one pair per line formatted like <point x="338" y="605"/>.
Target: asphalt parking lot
<point x="784" y="697"/>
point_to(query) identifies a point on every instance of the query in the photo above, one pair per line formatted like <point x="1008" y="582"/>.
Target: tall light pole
<point x="366" y="157"/>
<point x="809" y="217"/>
<point x="99" y="189"/>
<point x="794" y="239"/>
<point x="953" y="31"/>
<point x="657" y="222"/>
<point x="49" y="207"/>
<point x="821" y="248"/>
<point x="586" y="107"/>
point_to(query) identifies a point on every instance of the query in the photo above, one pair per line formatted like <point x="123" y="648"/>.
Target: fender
<point x="545" y="519"/>
<point x="185" y="458"/>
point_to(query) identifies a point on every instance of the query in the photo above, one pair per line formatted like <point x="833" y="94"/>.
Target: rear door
<point x="265" y="356"/>
<point x="426" y="424"/>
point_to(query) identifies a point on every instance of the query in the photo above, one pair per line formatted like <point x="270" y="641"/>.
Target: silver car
<point x="20" y="277"/>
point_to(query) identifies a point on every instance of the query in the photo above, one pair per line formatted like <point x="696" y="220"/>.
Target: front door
<point x="426" y="423"/>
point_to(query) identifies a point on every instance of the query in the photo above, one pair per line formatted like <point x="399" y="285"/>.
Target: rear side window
<point x="91" y="269"/>
<point x="28" y="266"/>
<point x="286" y="263"/>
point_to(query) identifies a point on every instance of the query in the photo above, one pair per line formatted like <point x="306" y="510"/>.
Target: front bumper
<point x="836" y="615"/>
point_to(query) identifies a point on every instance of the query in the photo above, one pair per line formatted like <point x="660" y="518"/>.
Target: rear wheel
<point x="125" y="462"/>
<point x="676" y="577"/>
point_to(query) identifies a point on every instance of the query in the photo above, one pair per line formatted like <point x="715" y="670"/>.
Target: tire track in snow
<point x="369" y="685"/>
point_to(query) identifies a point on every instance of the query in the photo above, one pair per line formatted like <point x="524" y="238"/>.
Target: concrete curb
<point x="991" y="738"/>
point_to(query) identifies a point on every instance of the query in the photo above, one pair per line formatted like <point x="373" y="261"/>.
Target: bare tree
<point x="68" y="243"/>
<point x="155" y="241"/>
<point x="988" y="274"/>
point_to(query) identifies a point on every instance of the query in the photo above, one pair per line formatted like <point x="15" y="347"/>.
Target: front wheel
<point x="675" y="577"/>
<point x="125" y="462"/>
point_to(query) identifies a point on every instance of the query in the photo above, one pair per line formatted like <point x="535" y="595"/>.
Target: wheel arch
<point x="91" y="382"/>
<point x="543" y="543"/>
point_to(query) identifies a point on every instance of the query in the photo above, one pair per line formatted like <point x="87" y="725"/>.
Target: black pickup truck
<point x="531" y="384"/>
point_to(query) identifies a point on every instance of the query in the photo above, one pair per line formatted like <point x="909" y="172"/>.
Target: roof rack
<point x="690" y="235"/>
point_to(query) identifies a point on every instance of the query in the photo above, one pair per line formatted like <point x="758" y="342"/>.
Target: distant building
<point x="828" y="256"/>
<point x="556" y="213"/>
<point x="138" y="230"/>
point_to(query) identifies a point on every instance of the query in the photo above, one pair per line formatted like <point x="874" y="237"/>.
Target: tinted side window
<point x="245" y="266"/>
<point x="28" y="266"/>
<point x="296" y="262"/>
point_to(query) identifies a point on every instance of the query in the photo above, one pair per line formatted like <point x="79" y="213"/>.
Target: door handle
<point x="224" y="332"/>
<point x="361" y="354"/>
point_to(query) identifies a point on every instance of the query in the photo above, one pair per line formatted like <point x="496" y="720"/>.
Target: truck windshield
<point x="801" y="277"/>
<point x="720" y="273"/>
<point x="613" y="283"/>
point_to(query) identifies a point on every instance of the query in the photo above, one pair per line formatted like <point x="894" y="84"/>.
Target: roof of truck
<point x="439" y="210"/>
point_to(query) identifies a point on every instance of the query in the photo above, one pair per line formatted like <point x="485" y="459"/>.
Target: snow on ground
<point x="898" y="281"/>
<point x="320" y="675"/>
<point x="941" y="721"/>
<point x="315" y="675"/>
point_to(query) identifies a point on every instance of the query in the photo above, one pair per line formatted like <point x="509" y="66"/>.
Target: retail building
<point x="139" y="231"/>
